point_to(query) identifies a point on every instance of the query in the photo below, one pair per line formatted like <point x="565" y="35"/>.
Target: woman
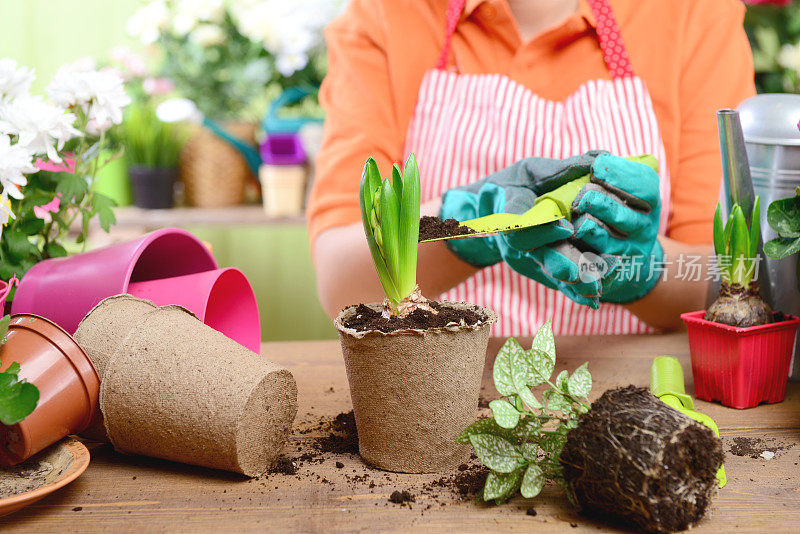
<point x="474" y="87"/>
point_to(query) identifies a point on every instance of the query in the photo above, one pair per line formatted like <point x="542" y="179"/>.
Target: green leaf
<point x="740" y="248"/>
<point x="542" y="364"/>
<point x="528" y="428"/>
<point x="719" y="239"/>
<point x="3" y="331"/>
<point x="554" y="400"/>
<point x="397" y="182"/>
<point x="409" y="227"/>
<point x="504" y="413"/>
<point x="485" y="426"/>
<point x="103" y="206"/>
<point x="502" y="371"/>
<point x="529" y="450"/>
<point x="72" y="186"/>
<point x="755" y="230"/>
<point x="532" y="481"/>
<point x="500" y="486"/>
<point x="18" y="398"/>
<point x="390" y="219"/>
<point x="781" y="247"/>
<point x="19" y="246"/>
<point x="545" y="342"/>
<point x="561" y="381"/>
<point x="527" y="396"/>
<point x="496" y="453"/>
<point x="580" y="383"/>
<point x="783" y="216"/>
<point x="54" y="250"/>
<point x="29" y="225"/>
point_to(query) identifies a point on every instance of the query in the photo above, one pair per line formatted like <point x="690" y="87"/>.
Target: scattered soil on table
<point x="343" y="437"/>
<point x="753" y="447"/>
<point x="283" y="466"/>
<point x="633" y="459"/>
<point x="366" y="318"/>
<point x="465" y="484"/>
<point x="435" y="228"/>
<point x="402" y="497"/>
<point x="531" y="511"/>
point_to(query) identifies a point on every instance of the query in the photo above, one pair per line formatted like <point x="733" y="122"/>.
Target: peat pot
<point x="414" y="391"/>
<point x="769" y="125"/>
<point x="67" y="381"/>
<point x="740" y="367"/>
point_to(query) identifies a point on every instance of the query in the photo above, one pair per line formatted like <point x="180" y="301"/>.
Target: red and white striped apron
<point x="467" y="126"/>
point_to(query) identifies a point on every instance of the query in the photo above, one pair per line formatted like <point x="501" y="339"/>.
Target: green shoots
<point x="390" y="213"/>
<point x="736" y="245"/>
<point x="521" y="445"/>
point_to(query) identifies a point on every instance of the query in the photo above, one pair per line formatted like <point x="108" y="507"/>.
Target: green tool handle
<point x="666" y="376"/>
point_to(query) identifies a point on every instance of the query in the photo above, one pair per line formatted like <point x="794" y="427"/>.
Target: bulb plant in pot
<point x="152" y="148"/>
<point x="741" y="350"/>
<point x="414" y="365"/>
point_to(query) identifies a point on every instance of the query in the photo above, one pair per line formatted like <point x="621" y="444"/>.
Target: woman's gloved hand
<point x="617" y="215"/>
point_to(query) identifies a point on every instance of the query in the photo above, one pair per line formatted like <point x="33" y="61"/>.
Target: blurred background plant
<point x="147" y="141"/>
<point x="773" y="27"/>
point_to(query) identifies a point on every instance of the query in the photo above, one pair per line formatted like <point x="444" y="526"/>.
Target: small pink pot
<point x="65" y="289"/>
<point x="223" y="299"/>
<point x="740" y="367"/>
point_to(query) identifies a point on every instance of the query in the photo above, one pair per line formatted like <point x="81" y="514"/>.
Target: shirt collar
<point x="584" y="10"/>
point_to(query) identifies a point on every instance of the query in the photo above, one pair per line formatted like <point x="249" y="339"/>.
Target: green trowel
<point x="548" y="208"/>
<point x="666" y="383"/>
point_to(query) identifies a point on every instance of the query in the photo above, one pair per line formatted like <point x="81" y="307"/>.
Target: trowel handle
<point x="666" y="376"/>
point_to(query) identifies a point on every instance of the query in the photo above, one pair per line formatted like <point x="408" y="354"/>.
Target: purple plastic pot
<point x="65" y="289"/>
<point x="282" y="149"/>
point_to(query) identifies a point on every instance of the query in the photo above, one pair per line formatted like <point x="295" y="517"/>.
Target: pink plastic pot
<point x="222" y="299"/>
<point x="740" y="367"/>
<point x="65" y="289"/>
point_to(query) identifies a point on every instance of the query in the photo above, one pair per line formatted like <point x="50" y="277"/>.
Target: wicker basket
<point x="214" y="173"/>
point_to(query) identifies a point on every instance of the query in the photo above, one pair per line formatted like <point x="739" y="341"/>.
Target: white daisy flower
<point x="15" y="163"/>
<point x="41" y="127"/>
<point x="14" y="81"/>
<point x="101" y="94"/>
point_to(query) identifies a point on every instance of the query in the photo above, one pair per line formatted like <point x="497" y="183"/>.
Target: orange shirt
<point x="692" y="54"/>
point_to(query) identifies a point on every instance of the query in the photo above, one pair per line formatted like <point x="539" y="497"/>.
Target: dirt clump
<point x="366" y="318"/>
<point x="435" y="228"/>
<point x="752" y="447"/>
<point x="402" y="497"/>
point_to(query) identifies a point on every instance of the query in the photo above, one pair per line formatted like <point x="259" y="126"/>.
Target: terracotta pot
<point x="68" y="386"/>
<point x="740" y="367"/>
<point x="414" y="391"/>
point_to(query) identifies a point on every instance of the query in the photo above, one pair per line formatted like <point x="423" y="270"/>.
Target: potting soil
<point x="435" y="228"/>
<point x="35" y="472"/>
<point x="367" y="318"/>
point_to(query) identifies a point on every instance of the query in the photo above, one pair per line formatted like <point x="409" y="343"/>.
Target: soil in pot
<point x="634" y="459"/>
<point x="414" y="387"/>
<point x="434" y="228"/>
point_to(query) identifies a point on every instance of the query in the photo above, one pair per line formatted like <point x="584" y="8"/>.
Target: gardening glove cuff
<point x="634" y="277"/>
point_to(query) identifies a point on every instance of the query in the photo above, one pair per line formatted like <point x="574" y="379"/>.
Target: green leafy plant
<point x="390" y="213"/>
<point x="522" y="443"/>
<point x="18" y="398"/>
<point x="783" y="217"/>
<point x="736" y="247"/>
<point x="773" y="28"/>
<point x="149" y="142"/>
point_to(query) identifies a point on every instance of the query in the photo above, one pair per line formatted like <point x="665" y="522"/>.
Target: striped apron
<point x="466" y="126"/>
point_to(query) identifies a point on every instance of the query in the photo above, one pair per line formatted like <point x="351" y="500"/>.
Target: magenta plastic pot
<point x="65" y="289"/>
<point x="223" y="299"/>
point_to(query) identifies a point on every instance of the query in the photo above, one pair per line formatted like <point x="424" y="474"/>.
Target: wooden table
<point x="127" y="494"/>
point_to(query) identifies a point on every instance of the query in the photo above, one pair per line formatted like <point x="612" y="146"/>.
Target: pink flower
<point x="67" y="166"/>
<point x="157" y="86"/>
<point x="51" y="207"/>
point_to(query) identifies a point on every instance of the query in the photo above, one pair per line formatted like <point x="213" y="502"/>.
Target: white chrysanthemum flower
<point x="289" y="63"/>
<point x="15" y="162"/>
<point x="14" y="80"/>
<point x="5" y="211"/>
<point x="206" y="35"/>
<point x="101" y="94"/>
<point x="789" y="57"/>
<point x="149" y="21"/>
<point x="41" y="127"/>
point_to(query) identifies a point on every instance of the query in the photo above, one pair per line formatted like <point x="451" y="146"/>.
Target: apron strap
<point x="614" y="51"/>
<point x="454" y="10"/>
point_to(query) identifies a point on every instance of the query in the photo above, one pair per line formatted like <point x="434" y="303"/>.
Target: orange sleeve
<point x="717" y="73"/>
<point x="361" y="118"/>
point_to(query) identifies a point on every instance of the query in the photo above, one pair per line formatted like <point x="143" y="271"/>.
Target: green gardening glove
<point x="516" y="190"/>
<point x="616" y="215"/>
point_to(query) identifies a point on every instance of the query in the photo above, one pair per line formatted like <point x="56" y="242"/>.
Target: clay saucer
<point x="70" y="458"/>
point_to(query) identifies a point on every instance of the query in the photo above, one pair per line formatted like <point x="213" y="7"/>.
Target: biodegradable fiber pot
<point x="177" y="389"/>
<point x="68" y="386"/>
<point x="414" y="391"/>
<point x="101" y="332"/>
<point x="65" y="289"/>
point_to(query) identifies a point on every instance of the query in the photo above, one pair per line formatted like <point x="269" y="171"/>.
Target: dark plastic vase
<point x="152" y="187"/>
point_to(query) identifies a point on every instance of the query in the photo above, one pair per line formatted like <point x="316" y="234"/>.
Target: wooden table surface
<point x="118" y="493"/>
